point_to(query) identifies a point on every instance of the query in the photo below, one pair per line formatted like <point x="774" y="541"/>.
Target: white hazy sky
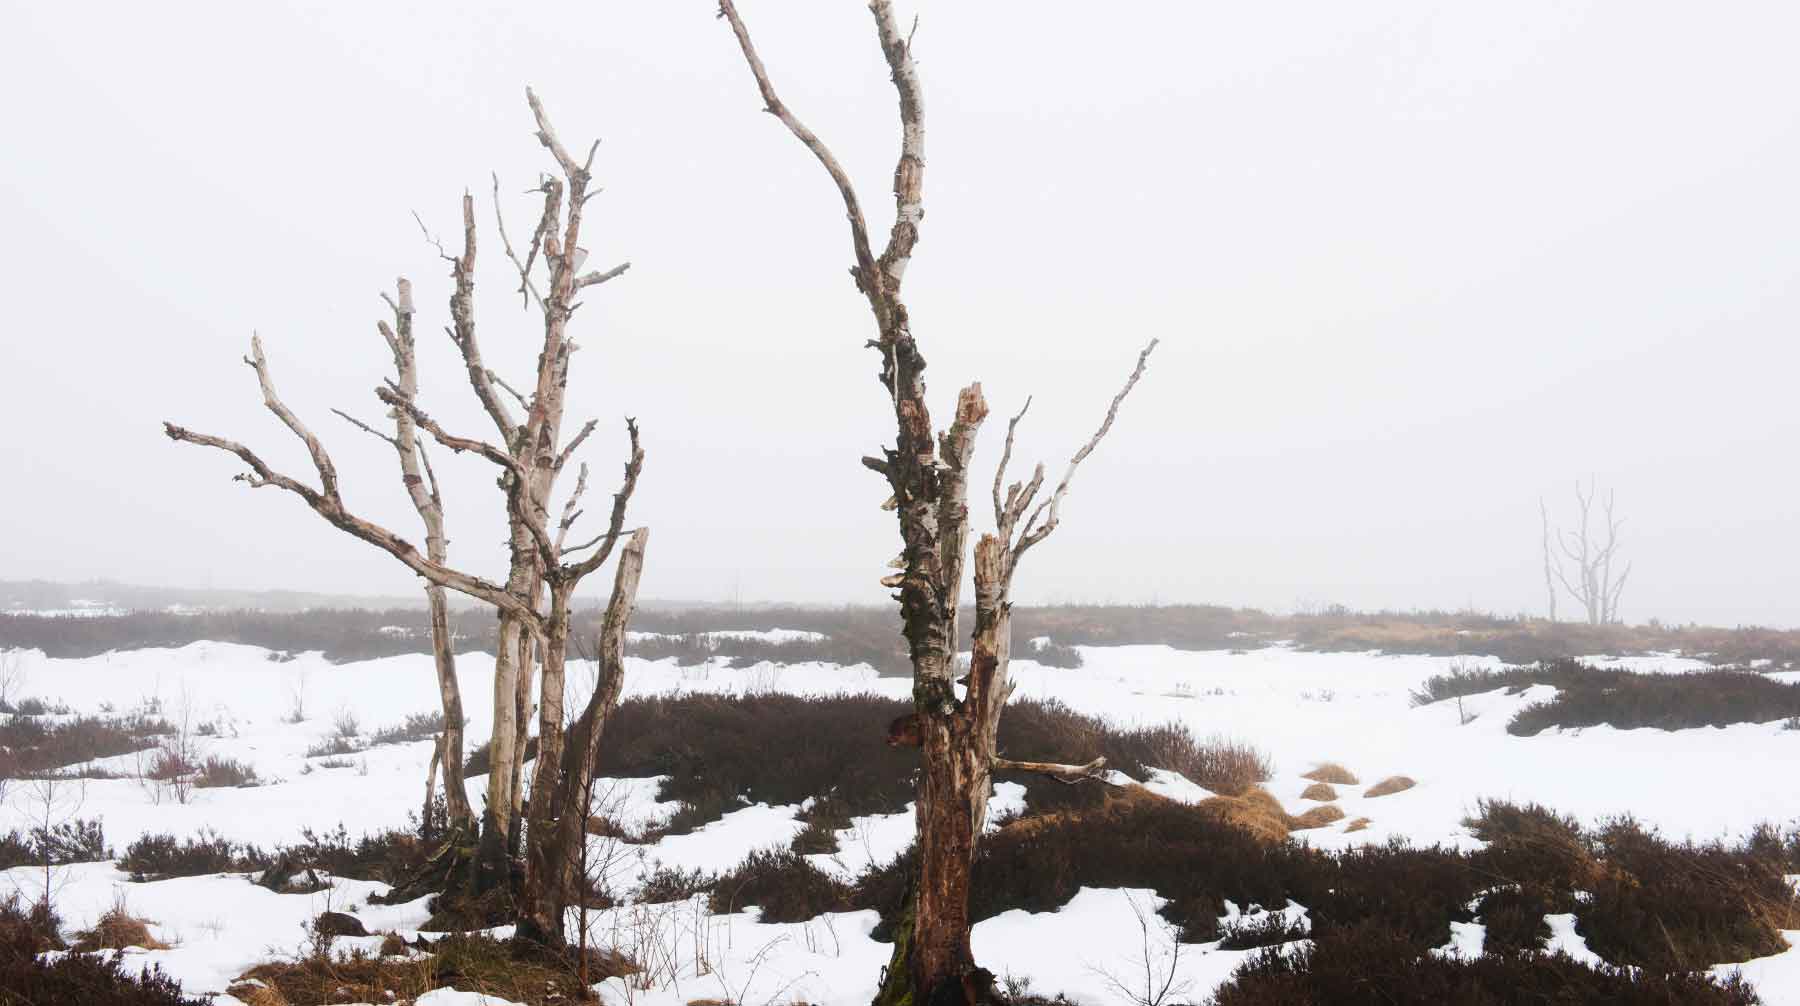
<point x="1413" y="265"/>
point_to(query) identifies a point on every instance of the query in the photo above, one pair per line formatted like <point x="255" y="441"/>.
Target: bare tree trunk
<point x="930" y="497"/>
<point x="561" y="813"/>
<point x="530" y="455"/>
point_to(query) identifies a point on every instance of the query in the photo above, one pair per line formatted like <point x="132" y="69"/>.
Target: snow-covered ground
<point x="1302" y="708"/>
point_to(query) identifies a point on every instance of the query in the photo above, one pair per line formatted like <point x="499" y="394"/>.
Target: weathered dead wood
<point x="927" y="474"/>
<point x="534" y="602"/>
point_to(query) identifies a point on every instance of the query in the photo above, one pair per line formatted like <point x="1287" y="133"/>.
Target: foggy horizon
<point x="1410" y="273"/>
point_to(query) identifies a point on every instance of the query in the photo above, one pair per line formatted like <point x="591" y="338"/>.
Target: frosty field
<point x="1301" y="708"/>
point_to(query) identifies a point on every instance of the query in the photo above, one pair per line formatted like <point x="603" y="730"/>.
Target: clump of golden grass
<point x="1319" y="791"/>
<point x="1357" y="825"/>
<point x="1392" y="784"/>
<point x="117" y="930"/>
<point x="1255" y="811"/>
<point x="1333" y="773"/>
<point x="1317" y="817"/>
<point x="255" y="993"/>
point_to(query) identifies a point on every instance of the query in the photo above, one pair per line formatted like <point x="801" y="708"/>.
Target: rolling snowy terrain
<point x="1302" y="708"/>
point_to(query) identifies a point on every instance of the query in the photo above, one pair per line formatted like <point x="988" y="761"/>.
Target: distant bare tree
<point x="1549" y="575"/>
<point x="927" y="474"/>
<point x="530" y="454"/>
<point x="1593" y="585"/>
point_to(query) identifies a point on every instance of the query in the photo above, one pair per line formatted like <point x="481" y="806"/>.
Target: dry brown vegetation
<point x="470" y="963"/>
<point x="117" y="929"/>
<point x="1392" y="784"/>
<point x="1332" y="773"/>
<point x="1358" y="824"/>
<point x="1319" y="791"/>
<point x="1317" y="817"/>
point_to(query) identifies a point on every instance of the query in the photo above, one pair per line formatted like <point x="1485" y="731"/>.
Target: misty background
<point x="1413" y="266"/>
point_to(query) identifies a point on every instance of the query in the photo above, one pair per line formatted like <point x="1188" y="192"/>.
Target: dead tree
<point x="1549" y="575"/>
<point x="928" y="477"/>
<point x="1593" y="585"/>
<point x="422" y="488"/>
<point x="545" y="569"/>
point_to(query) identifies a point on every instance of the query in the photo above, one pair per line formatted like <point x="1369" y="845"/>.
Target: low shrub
<point x="783" y="883"/>
<point x="1319" y="791"/>
<point x="416" y="727"/>
<point x="470" y="962"/>
<point x="218" y="772"/>
<point x="1669" y="906"/>
<point x="333" y="746"/>
<point x="31" y="746"/>
<point x="162" y="856"/>
<point x="27" y="979"/>
<point x="668" y="883"/>
<point x="1267" y="930"/>
<point x="1366" y="964"/>
<point x="1046" y="651"/>
<point x="1589" y="696"/>
<point x="78" y="841"/>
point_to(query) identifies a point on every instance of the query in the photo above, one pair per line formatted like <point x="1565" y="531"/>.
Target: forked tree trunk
<point x="559" y="815"/>
<point x="927" y="474"/>
<point x="530" y="454"/>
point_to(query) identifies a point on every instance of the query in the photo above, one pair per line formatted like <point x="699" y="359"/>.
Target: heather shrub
<point x="783" y="883"/>
<point x="1367" y="964"/>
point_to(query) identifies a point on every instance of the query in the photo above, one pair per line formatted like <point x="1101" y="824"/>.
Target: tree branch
<point x="1095" y="769"/>
<point x="1034" y="532"/>
<point x="867" y="279"/>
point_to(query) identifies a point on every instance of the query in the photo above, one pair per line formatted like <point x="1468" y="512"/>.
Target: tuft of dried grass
<point x="255" y="993"/>
<point x="1392" y="784"/>
<point x="1333" y="773"/>
<point x="117" y="930"/>
<point x="1255" y="811"/>
<point x="1319" y="791"/>
<point x="1318" y="817"/>
<point x="1357" y="825"/>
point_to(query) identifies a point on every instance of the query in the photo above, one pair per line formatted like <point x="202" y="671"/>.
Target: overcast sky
<point x="1413" y="265"/>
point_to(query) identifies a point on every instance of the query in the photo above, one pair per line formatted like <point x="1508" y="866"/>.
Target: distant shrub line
<point x="1589" y="696"/>
<point x="868" y="635"/>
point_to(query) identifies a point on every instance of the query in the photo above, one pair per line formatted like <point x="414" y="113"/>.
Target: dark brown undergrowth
<point x="1589" y="696"/>
<point x="389" y="856"/>
<point x="1368" y="964"/>
<point x="471" y="963"/>
<point x="35" y="745"/>
<point x="162" y="856"/>
<point x="28" y="980"/>
<point x="784" y="884"/>
<point x="79" y="841"/>
<point x="722" y="752"/>
<point x="1654" y="904"/>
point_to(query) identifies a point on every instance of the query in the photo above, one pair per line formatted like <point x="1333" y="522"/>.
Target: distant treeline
<point x="870" y="635"/>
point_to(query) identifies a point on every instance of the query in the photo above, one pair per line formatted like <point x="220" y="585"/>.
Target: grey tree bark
<point x="422" y="488"/>
<point x="530" y="455"/>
